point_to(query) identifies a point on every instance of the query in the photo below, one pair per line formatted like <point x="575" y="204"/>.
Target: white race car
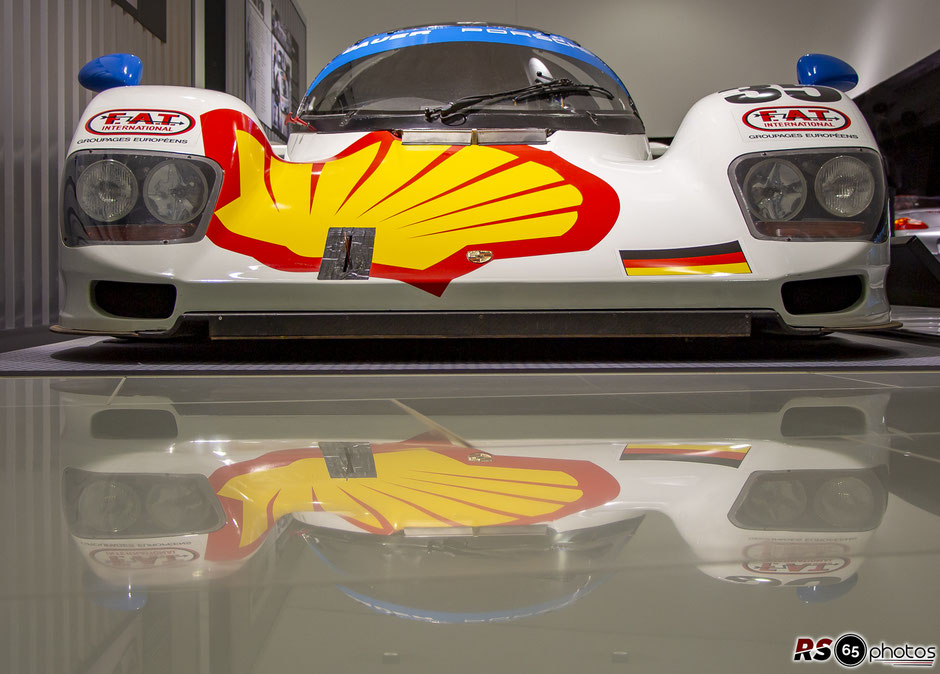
<point x="472" y="180"/>
<point x="776" y="490"/>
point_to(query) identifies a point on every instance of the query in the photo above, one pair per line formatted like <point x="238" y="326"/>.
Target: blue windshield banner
<point x="438" y="34"/>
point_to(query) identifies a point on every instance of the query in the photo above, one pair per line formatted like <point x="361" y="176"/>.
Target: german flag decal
<point x="716" y="453"/>
<point x="723" y="258"/>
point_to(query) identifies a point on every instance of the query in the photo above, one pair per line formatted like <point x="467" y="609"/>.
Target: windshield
<point x="414" y="78"/>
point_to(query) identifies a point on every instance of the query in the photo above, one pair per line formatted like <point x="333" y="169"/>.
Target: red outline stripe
<point x="531" y="216"/>
<point x="439" y="518"/>
<point x="437" y="161"/>
<point x="731" y="456"/>
<point x="647" y="449"/>
<point x="708" y="260"/>
<point x="504" y="513"/>
<point x="315" y="501"/>
<point x="519" y="161"/>
<point x="693" y="251"/>
<point x="269" y="511"/>
<point x="497" y="493"/>
<point x="267" y="179"/>
<point x="384" y="147"/>
<point x="502" y="479"/>
<point x="314" y="179"/>
<point x="386" y="526"/>
<point x="533" y="190"/>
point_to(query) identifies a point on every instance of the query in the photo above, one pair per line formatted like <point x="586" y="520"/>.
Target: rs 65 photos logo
<point x="851" y="650"/>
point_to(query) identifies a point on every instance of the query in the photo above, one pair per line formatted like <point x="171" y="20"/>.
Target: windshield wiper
<point x="559" y="86"/>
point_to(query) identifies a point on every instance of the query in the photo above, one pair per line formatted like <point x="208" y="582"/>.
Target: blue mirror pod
<point x="112" y="70"/>
<point x="826" y="71"/>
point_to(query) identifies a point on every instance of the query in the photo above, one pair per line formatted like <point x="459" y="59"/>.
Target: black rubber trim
<point x="479" y="324"/>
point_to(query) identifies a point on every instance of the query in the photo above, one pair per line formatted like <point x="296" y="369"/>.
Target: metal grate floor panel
<point x="90" y="356"/>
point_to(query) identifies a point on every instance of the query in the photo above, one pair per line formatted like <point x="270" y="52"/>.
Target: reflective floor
<point x="465" y="523"/>
<point x="921" y="320"/>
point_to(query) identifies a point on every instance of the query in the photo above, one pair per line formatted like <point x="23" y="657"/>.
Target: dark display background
<point x="151" y="14"/>
<point x="904" y="114"/>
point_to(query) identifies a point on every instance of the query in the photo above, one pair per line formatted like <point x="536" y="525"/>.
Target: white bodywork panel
<point x="683" y="199"/>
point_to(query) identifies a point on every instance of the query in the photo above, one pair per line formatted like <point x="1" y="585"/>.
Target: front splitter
<point x="472" y="324"/>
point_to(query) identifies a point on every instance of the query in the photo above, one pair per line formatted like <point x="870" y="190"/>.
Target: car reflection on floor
<point x="416" y="518"/>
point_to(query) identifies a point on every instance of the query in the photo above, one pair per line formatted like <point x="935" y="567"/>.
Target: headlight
<point x="812" y="195"/>
<point x="811" y="500"/>
<point x="175" y="191"/>
<point x="107" y="190"/>
<point x="776" y="502"/>
<point x="108" y="506"/>
<point x="844" y="502"/>
<point x="139" y="505"/>
<point x="775" y="189"/>
<point x="175" y="505"/>
<point x="845" y="186"/>
<point x="145" y="197"/>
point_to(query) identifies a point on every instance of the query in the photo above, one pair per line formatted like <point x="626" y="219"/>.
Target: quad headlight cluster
<point x="811" y="500"/>
<point x="812" y="195"/>
<point x="152" y="197"/>
<point x="139" y="505"/>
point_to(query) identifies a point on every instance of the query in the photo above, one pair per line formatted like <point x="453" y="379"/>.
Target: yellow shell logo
<point x="429" y="205"/>
<point x="415" y="485"/>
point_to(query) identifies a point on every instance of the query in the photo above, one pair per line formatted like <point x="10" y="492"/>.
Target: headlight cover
<point x="108" y="506"/>
<point x="139" y="505"/>
<point x="812" y="195"/>
<point x="775" y="189"/>
<point x="777" y="502"/>
<point x="106" y="190"/>
<point x="137" y="198"/>
<point x="844" y="501"/>
<point x="845" y="186"/>
<point x="175" y="191"/>
<point x="811" y="500"/>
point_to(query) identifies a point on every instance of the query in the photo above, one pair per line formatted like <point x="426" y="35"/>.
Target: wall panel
<point x="235" y="47"/>
<point x="43" y="44"/>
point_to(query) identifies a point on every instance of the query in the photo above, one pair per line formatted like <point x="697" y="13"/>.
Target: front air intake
<point x="134" y="300"/>
<point x="821" y="295"/>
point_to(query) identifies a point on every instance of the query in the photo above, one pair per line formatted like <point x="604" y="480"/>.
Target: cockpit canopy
<point x="408" y="78"/>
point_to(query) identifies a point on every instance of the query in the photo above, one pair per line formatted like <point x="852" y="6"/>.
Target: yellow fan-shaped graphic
<point x="426" y="203"/>
<point x="415" y="487"/>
